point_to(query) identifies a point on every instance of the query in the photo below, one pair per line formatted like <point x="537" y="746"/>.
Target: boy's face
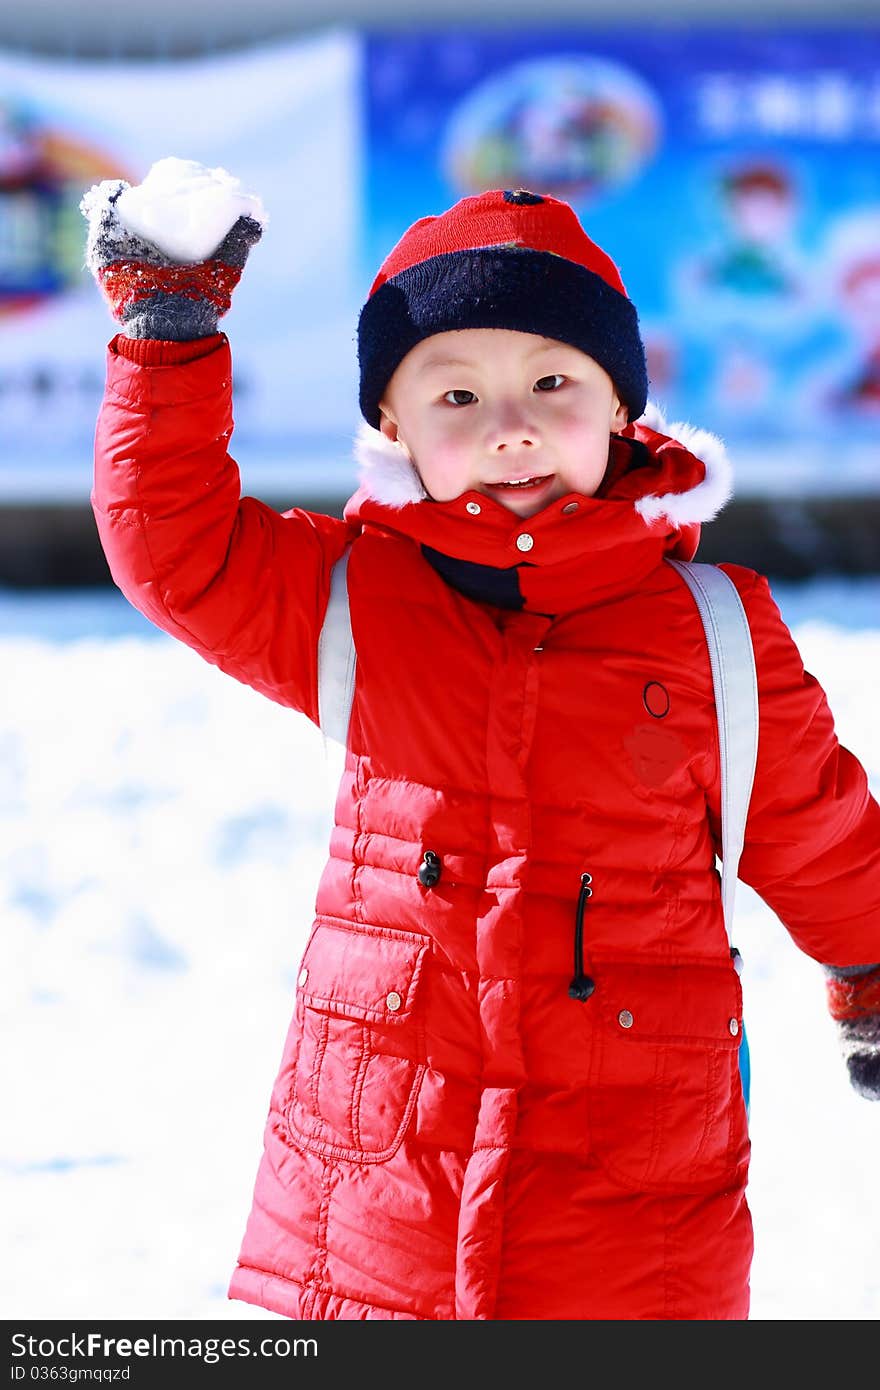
<point x="520" y="418"/>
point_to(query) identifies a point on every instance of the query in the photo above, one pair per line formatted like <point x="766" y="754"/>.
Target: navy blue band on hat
<point x="510" y="287"/>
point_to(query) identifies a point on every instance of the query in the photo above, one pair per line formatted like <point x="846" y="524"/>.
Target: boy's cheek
<point x="444" y="476"/>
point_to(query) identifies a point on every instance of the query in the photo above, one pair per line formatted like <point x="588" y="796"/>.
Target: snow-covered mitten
<point x="854" y="1003"/>
<point x="153" y="294"/>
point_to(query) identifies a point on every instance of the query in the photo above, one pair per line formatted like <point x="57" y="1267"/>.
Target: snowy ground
<point x="162" y="830"/>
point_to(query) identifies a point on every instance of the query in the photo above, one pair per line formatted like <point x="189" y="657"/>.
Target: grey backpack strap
<point x="336" y="657"/>
<point x="736" y="701"/>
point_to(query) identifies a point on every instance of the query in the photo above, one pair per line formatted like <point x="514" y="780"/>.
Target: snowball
<point x="185" y="208"/>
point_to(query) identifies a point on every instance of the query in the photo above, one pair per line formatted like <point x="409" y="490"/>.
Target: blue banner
<point x="734" y="177"/>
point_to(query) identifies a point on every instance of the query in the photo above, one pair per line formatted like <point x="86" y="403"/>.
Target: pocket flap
<point x="368" y="973"/>
<point x="698" y="1004"/>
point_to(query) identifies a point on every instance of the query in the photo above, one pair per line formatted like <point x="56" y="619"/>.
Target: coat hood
<point x="662" y="483"/>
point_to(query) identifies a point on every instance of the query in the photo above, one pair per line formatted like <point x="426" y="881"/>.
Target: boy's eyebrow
<point x="430" y="362"/>
<point x="441" y="360"/>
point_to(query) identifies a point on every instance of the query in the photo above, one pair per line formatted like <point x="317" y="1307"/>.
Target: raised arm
<point x="242" y="584"/>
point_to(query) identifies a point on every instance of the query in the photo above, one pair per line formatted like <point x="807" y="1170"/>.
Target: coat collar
<point x="662" y="484"/>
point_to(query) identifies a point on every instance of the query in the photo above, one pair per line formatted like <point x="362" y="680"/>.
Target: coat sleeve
<point x="812" y="843"/>
<point x="243" y="585"/>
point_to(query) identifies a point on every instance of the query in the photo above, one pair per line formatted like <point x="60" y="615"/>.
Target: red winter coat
<point x="450" y="1134"/>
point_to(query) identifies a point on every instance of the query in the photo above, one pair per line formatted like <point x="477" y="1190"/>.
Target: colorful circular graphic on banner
<point x="574" y="127"/>
<point x="43" y="173"/>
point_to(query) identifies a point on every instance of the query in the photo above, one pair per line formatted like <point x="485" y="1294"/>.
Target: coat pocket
<point x="666" y="1101"/>
<point x="360" y="1056"/>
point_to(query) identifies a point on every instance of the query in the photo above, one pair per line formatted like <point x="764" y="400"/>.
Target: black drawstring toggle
<point x="581" y="986"/>
<point x="429" y="869"/>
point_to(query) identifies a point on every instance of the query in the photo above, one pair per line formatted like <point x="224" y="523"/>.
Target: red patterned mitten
<point x="854" y="1004"/>
<point x="149" y="294"/>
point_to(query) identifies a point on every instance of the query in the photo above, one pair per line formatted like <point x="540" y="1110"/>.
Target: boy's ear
<point x="389" y="427"/>
<point x="620" y="418"/>
<point x="387" y="424"/>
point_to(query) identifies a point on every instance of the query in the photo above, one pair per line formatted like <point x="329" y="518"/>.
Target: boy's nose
<point x="511" y="430"/>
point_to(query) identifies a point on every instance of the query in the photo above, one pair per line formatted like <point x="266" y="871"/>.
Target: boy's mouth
<point x="528" y="485"/>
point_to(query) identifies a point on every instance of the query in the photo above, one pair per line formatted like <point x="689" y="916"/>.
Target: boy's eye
<point x="458" y="393"/>
<point x="549" y="383"/>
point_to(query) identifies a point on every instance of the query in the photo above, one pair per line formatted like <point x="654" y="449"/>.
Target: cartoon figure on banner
<point x="41" y="171"/>
<point x="579" y="126"/>
<point x="751" y="291"/>
<point x="758" y="261"/>
<point x="852" y="384"/>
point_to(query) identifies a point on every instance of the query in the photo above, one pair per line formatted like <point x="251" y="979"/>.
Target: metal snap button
<point x="733" y="1025"/>
<point x="625" y="1018"/>
<point x="473" y="507"/>
<point x="569" y="508"/>
<point x="524" y="541"/>
<point x="302" y="977"/>
<point x="393" y="1001"/>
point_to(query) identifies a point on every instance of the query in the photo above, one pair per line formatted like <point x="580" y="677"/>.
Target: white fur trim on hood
<point x="705" y="500"/>
<point x="386" y="472"/>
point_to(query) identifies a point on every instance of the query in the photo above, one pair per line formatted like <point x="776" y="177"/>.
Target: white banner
<point x="282" y="118"/>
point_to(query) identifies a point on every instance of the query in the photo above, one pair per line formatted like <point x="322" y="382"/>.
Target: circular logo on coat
<point x="656" y="699"/>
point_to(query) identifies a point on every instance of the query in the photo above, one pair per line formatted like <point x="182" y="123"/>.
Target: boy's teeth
<point x="519" y="482"/>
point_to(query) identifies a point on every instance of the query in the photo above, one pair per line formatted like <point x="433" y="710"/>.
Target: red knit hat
<point x="502" y="259"/>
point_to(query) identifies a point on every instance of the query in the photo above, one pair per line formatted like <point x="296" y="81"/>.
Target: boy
<point x="462" y="1127"/>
